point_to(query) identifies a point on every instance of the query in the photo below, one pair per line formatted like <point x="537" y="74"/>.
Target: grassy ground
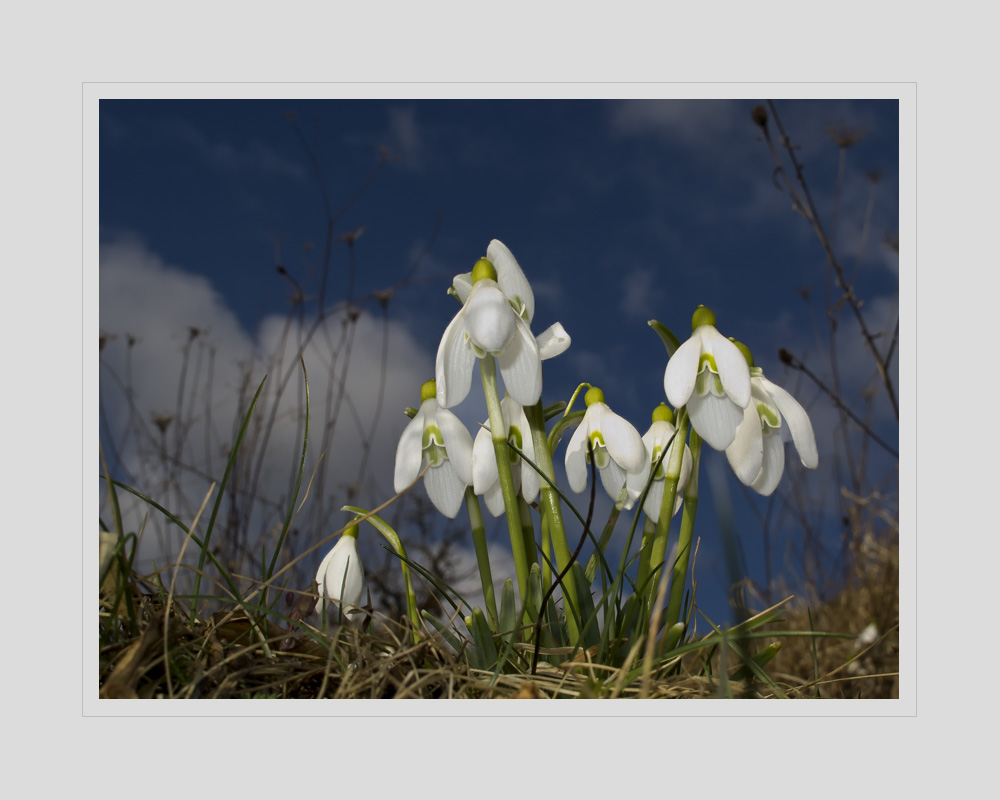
<point x="152" y="649"/>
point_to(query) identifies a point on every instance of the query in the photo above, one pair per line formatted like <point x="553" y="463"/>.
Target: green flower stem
<point x="645" y="550"/>
<point x="488" y="369"/>
<point x="679" y="578"/>
<point x="672" y="472"/>
<point x="551" y="511"/>
<point x="528" y="529"/>
<point x="547" y="550"/>
<point x="482" y="555"/>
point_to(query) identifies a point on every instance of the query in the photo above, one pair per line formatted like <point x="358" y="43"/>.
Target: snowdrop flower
<point x="486" y="478"/>
<point x="437" y="437"/>
<point x="497" y="309"/>
<point x="757" y="454"/>
<point x="619" y="454"/>
<point x="709" y="375"/>
<point x="341" y="576"/>
<point x="655" y="439"/>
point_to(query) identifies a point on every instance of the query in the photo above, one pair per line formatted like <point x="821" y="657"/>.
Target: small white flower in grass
<point x="497" y="308"/>
<point x="341" y="576"/>
<point x="485" y="476"/>
<point x="435" y="436"/>
<point x="619" y="454"/>
<point x="655" y="439"/>
<point x="757" y="454"/>
<point x="709" y="375"/>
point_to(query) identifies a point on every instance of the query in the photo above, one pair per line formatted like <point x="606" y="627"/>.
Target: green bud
<point x="428" y="389"/>
<point x="745" y="350"/>
<point x="702" y="316"/>
<point x="483" y="269"/>
<point x="662" y="413"/>
<point x="593" y="395"/>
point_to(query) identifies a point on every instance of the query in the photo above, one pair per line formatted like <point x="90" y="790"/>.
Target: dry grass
<point x="232" y="656"/>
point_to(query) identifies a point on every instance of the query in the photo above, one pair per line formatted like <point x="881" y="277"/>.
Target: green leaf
<point x="588" y="615"/>
<point x="533" y="602"/>
<point x="670" y="341"/>
<point x="567" y="423"/>
<point x="482" y="638"/>
<point x="556" y="408"/>
<point x="445" y="631"/>
<point x="760" y="659"/>
<point x="508" y="611"/>
<point x="598" y="555"/>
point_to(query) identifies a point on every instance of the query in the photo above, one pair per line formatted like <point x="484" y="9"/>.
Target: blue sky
<point x="618" y="211"/>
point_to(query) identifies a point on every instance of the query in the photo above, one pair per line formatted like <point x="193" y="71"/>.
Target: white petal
<point x="774" y="464"/>
<point x="687" y="464"/>
<point x="340" y="575"/>
<point x="484" y="462"/>
<point x="409" y="453"/>
<point x="623" y="441"/>
<point x="493" y="496"/>
<point x="511" y="278"/>
<point x="682" y="369"/>
<point x="458" y="443"/>
<point x="636" y="482"/>
<point x="716" y="419"/>
<point x="746" y="452"/>
<point x="530" y="481"/>
<point x="658" y="435"/>
<point x="453" y="369"/>
<point x="489" y="319"/>
<point x="552" y="341"/>
<point x="524" y="475"/>
<point x="513" y="413"/>
<point x="733" y="369"/>
<point x="798" y="423"/>
<point x="576" y="457"/>
<point x="521" y="367"/>
<point x="613" y="479"/>
<point x="445" y="489"/>
<point x="462" y="284"/>
<point x="654" y="499"/>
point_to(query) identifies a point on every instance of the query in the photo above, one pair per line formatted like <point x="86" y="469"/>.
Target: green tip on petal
<point x="428" y="389"/>
<point x="483" y="269"/>
<point x="352" y="531"/>
<point x="702" y="316"/>
<point x="593" y="395"/>
<point x="745" y="350"/>
<point x="662" y="413"/>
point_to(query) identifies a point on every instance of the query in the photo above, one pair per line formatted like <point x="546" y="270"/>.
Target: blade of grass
<point x="218" y="500"/>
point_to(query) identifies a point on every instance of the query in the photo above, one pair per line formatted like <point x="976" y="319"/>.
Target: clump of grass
<point x="158" y="651"/>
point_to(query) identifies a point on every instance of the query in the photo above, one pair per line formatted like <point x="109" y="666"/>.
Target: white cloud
<point x="688" y="122"/>
<point x="405" y="138"/>
<point x="156" y="303"/>
<point x="225" y="155"/>
<point x="641" y="296"/>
